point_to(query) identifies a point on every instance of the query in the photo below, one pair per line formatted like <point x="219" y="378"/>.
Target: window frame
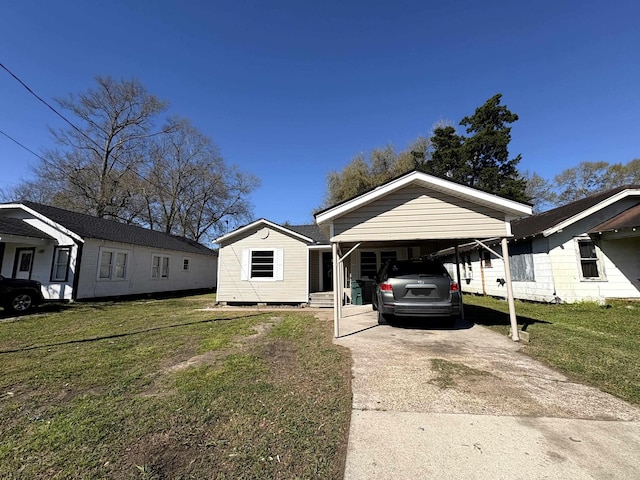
<point x="186" y="264"/>
<point x="388" y="253"/>
<point x="278" y="265"/>
<point x="596" y="259"/>
<point x="113" y="264"/>
<point x="524" y="253"/>
<point x="162" y="270"/>
<point x="55" y="263"/>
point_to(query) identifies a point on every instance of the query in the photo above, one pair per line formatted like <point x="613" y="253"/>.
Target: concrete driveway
<point x="465" y="403"/>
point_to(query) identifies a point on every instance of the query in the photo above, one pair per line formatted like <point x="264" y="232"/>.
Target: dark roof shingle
<point x="100" y="228"/>
<point x="536" y="224"/>
<point x="16" y="226"/>
<point x="311" y="231"/>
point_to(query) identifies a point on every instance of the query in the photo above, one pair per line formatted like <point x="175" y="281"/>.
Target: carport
<point x="420" y="214"/>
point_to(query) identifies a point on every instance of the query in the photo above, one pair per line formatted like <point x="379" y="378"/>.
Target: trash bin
<point x="356" y="292"/>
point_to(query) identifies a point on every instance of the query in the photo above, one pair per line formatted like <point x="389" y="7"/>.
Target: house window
<point x="60" y="267"/>
<point x="113" y="264"/>
<point x="521" y="262"/>
<point x="372" y="261"/>
<point x="486" y="258"/>
<point x="262" y="264"/>
<point x="159" y="266"/>
<point x="368" y="264"/>
<point x="185" y="264"/>
<point x="588" y="259"/>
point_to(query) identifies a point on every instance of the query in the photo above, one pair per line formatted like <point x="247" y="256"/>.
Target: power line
<point x="18" y="143"/>
<point x="48" y="105"/>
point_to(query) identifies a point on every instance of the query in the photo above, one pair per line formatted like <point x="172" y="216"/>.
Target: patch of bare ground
<point x="188" y="358"/>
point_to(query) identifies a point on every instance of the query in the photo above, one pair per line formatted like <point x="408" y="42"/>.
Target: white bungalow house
<point x="413" y="215"/>
<point x="264" y="262"/>
<point x="587" y="250"/>
<point x="77" y="256"/>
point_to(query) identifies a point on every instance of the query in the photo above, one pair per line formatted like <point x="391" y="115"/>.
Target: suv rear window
<point x="418" y="267"/>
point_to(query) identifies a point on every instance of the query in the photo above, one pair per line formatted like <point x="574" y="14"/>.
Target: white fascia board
<point x="499" y="203"/>
<point x="264" y="222"/>
<point x="319" y="247"/>
<point x="590" y="211"/>
<point x="43" y="218"/>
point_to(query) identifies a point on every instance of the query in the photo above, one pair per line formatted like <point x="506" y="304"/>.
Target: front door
<point x="23" y="263"/>
<point x="327" y="272"/>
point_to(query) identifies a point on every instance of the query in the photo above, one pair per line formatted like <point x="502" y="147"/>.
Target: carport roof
<point x="510" y="207"/>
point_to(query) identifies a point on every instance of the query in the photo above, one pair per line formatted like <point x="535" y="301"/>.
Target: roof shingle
<point x="100" y="228"/>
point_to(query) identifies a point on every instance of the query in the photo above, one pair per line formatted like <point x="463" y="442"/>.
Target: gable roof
<point x="551" y="221"/>
<point x="300" y="232"/>
<point x="87" y="226"/>
<point x="630" y="218"/>
<point x="474" y="195"/>
<point x="15" y="226"/>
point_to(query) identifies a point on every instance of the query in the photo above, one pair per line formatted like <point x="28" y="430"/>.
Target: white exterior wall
<point x="558" y="273"/>
<point x="294" y="286"/>
<point x="201" y="274"/>
<point x="43" y="257"/>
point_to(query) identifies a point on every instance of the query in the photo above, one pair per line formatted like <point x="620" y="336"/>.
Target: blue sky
<point x="290" y="90"/>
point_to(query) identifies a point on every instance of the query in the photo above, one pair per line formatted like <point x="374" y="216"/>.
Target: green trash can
<point x="356" y="292"/>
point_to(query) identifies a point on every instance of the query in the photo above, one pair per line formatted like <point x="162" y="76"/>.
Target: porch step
<point x="321" y="300"/>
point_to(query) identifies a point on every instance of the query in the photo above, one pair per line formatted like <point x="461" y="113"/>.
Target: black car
<point x="19" y="295"/>
<point x="415" y="288"/>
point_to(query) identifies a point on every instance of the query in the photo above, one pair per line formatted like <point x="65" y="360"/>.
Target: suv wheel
<point x="382" y="318"/>
<point x="20" y="302"/>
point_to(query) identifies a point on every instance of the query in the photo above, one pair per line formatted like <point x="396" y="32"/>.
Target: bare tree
<point x="190" y="189"/>
<point x="118" y="162"/>
<point x="96" y="164"/>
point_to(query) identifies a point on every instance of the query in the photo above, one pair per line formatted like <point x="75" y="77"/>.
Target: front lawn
<point x="163" y="389"/>
<point x="592" y="344"/>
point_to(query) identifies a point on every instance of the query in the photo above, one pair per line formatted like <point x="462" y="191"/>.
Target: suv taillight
<point x="453" y="287"/>
<point x="386" y="287"/>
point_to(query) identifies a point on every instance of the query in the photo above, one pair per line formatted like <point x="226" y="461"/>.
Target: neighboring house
<point x="264" y="262"/>
<point x="77" y="256"/>
<point x="410" y="216"/>
<point x="587" y="250"/>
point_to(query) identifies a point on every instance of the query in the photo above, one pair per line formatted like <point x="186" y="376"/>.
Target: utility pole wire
<point x="48" y="105"/>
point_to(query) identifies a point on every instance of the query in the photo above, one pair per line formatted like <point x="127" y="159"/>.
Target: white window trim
<point x="278" y="265"/>
<point x="160" y="264"/>
<point x="188" y="264"/>
<point x="114" y="252"/>
<point x="599" y="263"/>
<point x="56" y="256"/>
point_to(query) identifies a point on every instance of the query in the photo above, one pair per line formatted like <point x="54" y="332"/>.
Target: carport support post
<point x="512" y="307"/>
<point x="337" y="297"/>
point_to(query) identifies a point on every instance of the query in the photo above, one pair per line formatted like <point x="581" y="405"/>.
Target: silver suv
<point x="415" y="288"/>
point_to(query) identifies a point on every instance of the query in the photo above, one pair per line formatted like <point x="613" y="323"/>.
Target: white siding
<point x="411" y="213"/>
<point x="201" y="273"/>
<point x="292" y="289"/>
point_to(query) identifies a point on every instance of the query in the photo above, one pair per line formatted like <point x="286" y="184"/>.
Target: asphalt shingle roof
<point x="102" y="229"/>
<point x="630" y="218"/>
<point x="536" y="224"/>
<point x="312" y="231"/>
<point x="16" y="226"/>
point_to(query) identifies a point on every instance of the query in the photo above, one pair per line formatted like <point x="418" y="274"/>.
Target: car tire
<point x="382" y="318"/>
<point x="20" y="302"/>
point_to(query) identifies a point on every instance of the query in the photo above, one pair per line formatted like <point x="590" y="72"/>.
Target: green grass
<point x="590" y="343"/>
<point x="162" y="389"/>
